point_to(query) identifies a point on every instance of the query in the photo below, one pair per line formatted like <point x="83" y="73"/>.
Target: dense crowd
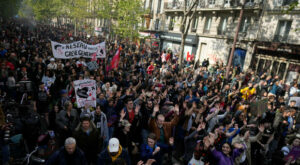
<point x="149" y="110"/>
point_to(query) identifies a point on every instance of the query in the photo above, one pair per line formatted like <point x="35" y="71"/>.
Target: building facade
<point x="268" y="39"/>
<point x="277" y="50"/>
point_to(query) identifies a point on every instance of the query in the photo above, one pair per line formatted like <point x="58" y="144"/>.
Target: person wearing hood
<point x="88" y="139"/>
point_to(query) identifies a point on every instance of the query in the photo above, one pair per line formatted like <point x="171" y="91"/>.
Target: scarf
<point x="114" y="157"/>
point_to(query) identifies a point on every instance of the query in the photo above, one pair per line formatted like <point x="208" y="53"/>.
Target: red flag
<point x="115" y="61"/>
<point x="94" y="58"/>
<point x="188" y="56"/>
<point x="193" y="56"/>
<point x="168" y="56"/>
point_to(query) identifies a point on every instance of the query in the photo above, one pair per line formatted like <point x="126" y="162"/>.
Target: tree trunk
<point x="181" y="55"/>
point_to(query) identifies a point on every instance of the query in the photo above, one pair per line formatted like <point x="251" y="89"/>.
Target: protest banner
<point x="85" y="91"/>
<point x="77" y="49"/>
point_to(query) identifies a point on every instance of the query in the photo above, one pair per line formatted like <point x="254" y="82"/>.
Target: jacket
<point x="167" y="127"/>
<point x="61" y="157"/>
<point x="225" y="160"/>
<point x="90" y="144"/>
<point x="101" y="123"/>
<point x="246" y="92"/>
<point x="241" y="140"/>
<point x="105" y="159"/>
<point x="146" y="153"/>
<point x="63" y="120"/>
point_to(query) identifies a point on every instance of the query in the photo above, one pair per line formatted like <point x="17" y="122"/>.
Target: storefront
<point x="151" y="39"/>
<point x="172" y="41"/>
<point x="277" y="59"/>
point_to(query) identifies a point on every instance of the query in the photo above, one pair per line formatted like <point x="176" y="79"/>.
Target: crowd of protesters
<point x="149" y="110"/>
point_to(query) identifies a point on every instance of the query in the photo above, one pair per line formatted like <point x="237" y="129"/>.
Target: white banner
<point x="85" y="91"/>
<point x="77" y="49"/>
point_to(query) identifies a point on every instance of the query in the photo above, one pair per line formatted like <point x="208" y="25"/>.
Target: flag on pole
<point x="115" y="61"/>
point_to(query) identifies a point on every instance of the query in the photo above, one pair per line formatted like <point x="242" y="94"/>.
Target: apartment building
<point x="268" y="39"/>
<point x="277" y="46"/>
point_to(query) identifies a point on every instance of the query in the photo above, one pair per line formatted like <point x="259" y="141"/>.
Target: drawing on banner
<point x="92" y="65"/>
<point x="85" y="91"/>
<point x="77" y="49"/>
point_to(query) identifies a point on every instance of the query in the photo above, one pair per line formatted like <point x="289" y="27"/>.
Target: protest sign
<point x="259" y="107"/>
<point x="77" y="49"/>
<point x="92" y="65"/>
<point x="85" y="91"/>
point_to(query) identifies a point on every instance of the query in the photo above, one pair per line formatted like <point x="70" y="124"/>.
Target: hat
<point x="113" y="145"/>
<point x="52" y="59"/>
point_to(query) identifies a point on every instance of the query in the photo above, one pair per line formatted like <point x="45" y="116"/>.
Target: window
<point x="283" y="29"/>
<point x="171" y="24"/>
<point x="284" y="2"/>
<point x="211" y="2"/>
<point x="156" y="24"/>
<point x="222" y="26"/>
<point x="227" y="3"/>
<point x="195" y="24"/>
<point x="244" y="24"/>
<point x="158" y="7"/>
<point x="150" y="5"/>
<point x="174" y="3"/>
<point x="249" y="3"/>
<point x="201" y="3"/>
<point x="207" y="25"/>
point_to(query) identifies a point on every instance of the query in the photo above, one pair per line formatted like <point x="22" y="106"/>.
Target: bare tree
<point x="189" y="12"/>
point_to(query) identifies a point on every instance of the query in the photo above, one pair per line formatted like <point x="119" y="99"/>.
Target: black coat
<point x="105" y="159"/>
<point x="61" y="157"/>
<point x="90" y="144"/>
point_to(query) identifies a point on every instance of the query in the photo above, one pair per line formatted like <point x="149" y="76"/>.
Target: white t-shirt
<point x="52" y="66"/>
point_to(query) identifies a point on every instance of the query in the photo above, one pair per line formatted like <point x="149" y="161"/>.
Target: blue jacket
<point x="61" y="157"/>
<point x="105" y="159"/>
<point x="146" y="153"/>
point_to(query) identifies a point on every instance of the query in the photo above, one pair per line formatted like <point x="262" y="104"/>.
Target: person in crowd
<point x="114" y="151"/>
<point x="68" y="155"/>
<point x="100" y="120"/>
<point x="66" y="120"/>
<point x="88" y="139"/>
<point x="150" y="150"/>
<point x="184" y="106"/>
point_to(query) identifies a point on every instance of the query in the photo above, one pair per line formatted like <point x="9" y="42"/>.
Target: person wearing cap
<point x="69" y="154"/>
<point x="63" y="98"/>
<point x="113" y="152"/>
<point x="88" y="138"/>
<point x="52" y="65"/>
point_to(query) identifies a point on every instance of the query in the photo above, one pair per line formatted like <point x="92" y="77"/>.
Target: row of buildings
<point x="268" y="42"/>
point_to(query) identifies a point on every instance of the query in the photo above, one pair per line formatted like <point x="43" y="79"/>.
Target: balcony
<point x="215" y="5"/>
